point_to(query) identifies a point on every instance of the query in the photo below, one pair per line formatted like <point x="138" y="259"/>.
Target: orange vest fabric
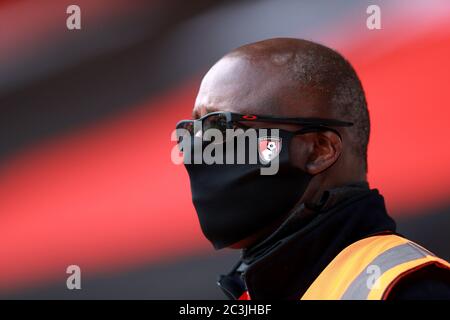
<point x="368" y="269"/>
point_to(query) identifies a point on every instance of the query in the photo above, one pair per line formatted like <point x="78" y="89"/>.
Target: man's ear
<point x="326" y="149"/>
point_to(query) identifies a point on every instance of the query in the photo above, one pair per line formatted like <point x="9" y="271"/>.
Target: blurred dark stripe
<point x="101" y="85"/>
<point x="188" y="278"/>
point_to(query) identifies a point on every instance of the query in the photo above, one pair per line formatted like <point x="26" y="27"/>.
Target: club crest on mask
<point x="268" y="148"/>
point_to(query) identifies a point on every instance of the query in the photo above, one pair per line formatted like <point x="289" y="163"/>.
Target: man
<point x="314" y="230"/>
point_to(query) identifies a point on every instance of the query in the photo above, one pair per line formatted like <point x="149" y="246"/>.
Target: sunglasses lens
<point x="216" y="121"/>
<point x="184" y="129"/>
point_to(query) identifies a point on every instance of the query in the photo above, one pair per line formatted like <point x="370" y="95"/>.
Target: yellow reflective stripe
<point x="360" y="287"/>
<point x="348" y="264"/>
<point x="378" y="291"/>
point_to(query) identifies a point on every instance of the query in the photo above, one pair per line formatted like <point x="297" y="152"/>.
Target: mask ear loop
<point x="319" y="128"/>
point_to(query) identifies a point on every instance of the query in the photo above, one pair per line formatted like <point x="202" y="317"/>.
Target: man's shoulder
<point x="428" y="283"/>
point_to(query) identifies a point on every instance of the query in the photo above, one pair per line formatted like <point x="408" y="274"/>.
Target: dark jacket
<point x="285" y="264"/>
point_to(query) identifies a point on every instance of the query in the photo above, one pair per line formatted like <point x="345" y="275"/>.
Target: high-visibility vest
<point x="369" y="268"/>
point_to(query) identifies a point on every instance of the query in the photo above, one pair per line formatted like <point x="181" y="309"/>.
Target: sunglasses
<point x="222" y="121"/>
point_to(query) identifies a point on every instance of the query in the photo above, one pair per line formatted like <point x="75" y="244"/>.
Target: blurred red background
<point x="86" y="118"/>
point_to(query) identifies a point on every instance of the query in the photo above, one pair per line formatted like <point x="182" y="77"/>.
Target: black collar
<point x="285" y="264"/>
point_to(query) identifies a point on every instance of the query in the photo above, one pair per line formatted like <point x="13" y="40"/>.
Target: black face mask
<point x="233" y="201"/>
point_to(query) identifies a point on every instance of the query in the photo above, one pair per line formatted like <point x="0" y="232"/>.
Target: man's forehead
<point x="238" y="85"/>
<point x="306" y="104"/>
